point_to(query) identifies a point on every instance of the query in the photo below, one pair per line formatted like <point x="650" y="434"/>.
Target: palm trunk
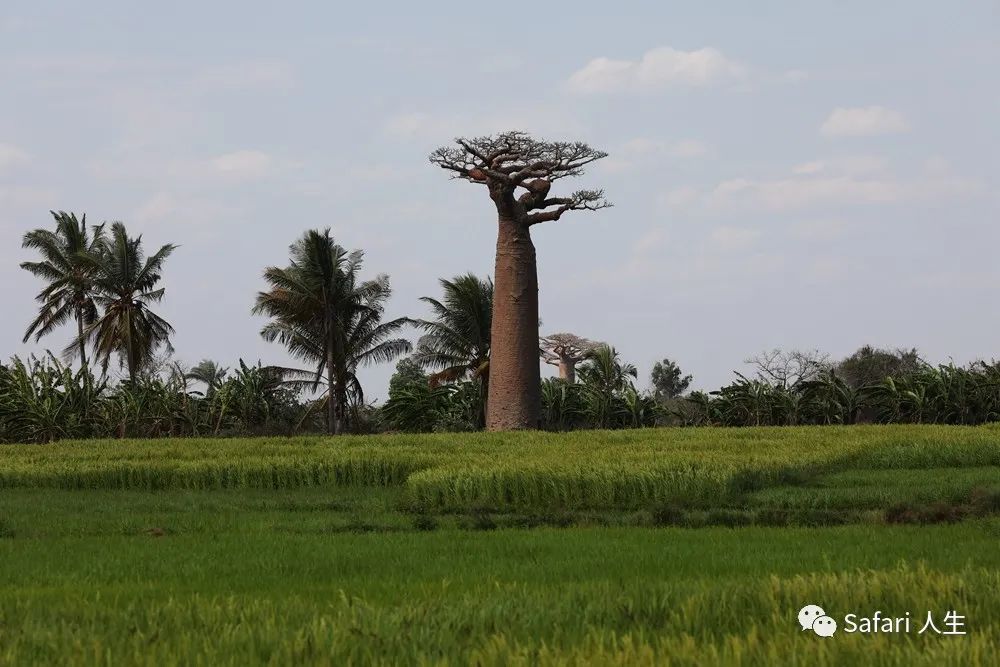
<point x="515" y="380"/>
<point x="80" y="341"/>
<point x="130" y="348"/>
<point x="341" y="408"/>
<point x="332" y="399"/>
<point x="332" y="407"/>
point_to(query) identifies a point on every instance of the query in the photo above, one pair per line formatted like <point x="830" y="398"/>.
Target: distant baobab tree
<point x="518" y="172"/>
<point x="566" y="350"/>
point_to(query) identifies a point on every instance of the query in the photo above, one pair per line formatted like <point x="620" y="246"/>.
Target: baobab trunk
<point x="567" y="370"/>
<point x="514" y="400"/>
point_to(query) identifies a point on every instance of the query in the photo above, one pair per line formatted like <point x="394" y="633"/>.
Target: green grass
<point x="877" y="489"/>
<point x="404" y="550"/>
<point x="247" y="596"/>
<point x="621" y="469"/>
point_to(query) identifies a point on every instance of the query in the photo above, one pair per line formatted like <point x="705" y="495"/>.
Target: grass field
<point x="688" y="547"/>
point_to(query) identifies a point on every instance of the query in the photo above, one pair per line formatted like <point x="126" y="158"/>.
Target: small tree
<point x="787" y="369"/>
<point x="566" y="350"/>
<point x="668" y="381"/>
<point x="408" y="374"/>
<point x="870" y="366"/>
<point x="518" y="172"/>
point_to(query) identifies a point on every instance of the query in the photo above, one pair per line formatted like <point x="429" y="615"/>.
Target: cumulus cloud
<point x="863" y="122"/>
<point x="658" y="68"/>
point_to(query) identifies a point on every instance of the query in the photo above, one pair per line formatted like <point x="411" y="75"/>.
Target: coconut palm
<point x="457" y="341"/>
<point x="325" y="315"/>
<point x="604" y="378"/>
<point x="208" y="373"/>
<point x="125" y="285"/>
<point x="70" y="292"/>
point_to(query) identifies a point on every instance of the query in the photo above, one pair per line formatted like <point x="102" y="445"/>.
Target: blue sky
<point x="784" y="174"/>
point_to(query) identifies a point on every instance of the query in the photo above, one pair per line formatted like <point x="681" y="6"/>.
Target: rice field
<point x="547" y="549"/>
<point x="594" y="469"/>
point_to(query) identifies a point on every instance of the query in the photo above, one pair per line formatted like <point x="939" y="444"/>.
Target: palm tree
<point x="125" y="286"/>
<point x="457" y="342"/>
<point x="208" y="373"/>
<point x="604" y="378"/>
<point x="70" y="292"/>
<point x="325" y="315"/>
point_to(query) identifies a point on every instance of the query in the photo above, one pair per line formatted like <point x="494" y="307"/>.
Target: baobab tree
<point x="518" y="172"/>
<point x="566" y="350"/>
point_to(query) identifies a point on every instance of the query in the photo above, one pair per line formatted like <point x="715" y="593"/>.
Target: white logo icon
<point x="812" y="617"/>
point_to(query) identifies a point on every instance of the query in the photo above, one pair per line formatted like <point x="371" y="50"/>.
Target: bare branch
<point x="511" y="160"/>
<point x="582" y="200"/>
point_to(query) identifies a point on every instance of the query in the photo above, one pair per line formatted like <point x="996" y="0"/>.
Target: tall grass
<point x="621" y="469"/>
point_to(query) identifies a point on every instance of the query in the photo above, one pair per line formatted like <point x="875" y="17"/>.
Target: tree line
<point x="332" y="321"/>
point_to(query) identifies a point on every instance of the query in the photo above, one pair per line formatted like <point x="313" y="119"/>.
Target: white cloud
<point x="658" y="68"/>
<point x="12" y="156"/>
<point x="863" y="121"/>
<point x="247" y="164"/>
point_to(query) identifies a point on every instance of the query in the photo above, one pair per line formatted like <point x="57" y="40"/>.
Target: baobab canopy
<point x="511" y="160"/>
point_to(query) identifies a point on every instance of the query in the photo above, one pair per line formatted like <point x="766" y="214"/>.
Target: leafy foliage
<point x="42" y="399"/>
<point x="668" y="380"/>
<point x="946" y="394"/>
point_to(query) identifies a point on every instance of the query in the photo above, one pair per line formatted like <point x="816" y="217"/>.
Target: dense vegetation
<point x="331" y="318"/>
<point x="42" y="400"/>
